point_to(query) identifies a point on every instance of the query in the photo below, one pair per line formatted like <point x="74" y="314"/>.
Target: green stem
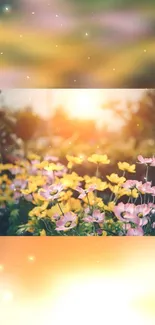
<point x="60" y="208"/>
<point x="109" y="231"/>
<point x="88" y="201"/>
<point x="146" y="179"/>
<point x="97" y="170"/>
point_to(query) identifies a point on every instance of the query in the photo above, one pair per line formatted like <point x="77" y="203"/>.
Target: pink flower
<point x="16" y="170"/>
<point x="68" y="221"/>
<point x="51" y="192"/>
<point x="131" y="183"/>
<point x="135" y="232"/>
<point x="49" y="174"/>
<point x="35" y="162"/>
<point x="145" y="188"/>
<point x="17" y="196"/>
<point x="143" y="160"/>
<point x="97" y="216"/>
<point x="132" y="213"/>
<point x="142" y="210"/>
<point x="153" y="190"/>
<point x="143" y="221"/>
<point x="153" y="225"/>
<point x="85" y="192"/>
<point x="151" y="205"/>
<point x="18" y="184"/>
<point x="153" y="162"/>
<point x="56" y="217"/>
<point x="28" y="197"/>
<point x="125" y="212"/>
<point x="60" y="173"/>
<point x="32" y="170"/>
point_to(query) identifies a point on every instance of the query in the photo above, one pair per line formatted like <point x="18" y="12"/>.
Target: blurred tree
<point x="138" y="118"/>
<point x="26" y="126"/>
<point x="59" y="122"/>
<point x="8" y="139"/>
<point x="62" y="125"/>
<point x="141" y="122"/>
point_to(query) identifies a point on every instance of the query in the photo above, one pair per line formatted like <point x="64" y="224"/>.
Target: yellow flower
<point x="71" y="180"/>
<point x="123" y="192"/>
<point x="42" y="164"/>
<point x="43" y="233"/>
<point x="6" y="166"/>
<point x="32" y="156"/>
<point x="65" y="196"/>
<point x="126" y="167"/>
<point x="31" y="188"/>
<point x="114" y="188"/>
<point x="93" y="200"/>
<point x="110" y="206"/>
<point x="31" y="225"/>
<point x="114" y="178"/>
<point x="23" y="163"/>
<point x="73" y="161"/>
<point x="39" y="211"/>
<point x="4" y="178"/>
<point x="100" y="186"/>
<point x="56" y="209"/>
<point x="6" y="198"/>
<point x="23" y="176"/>
<point x="38" y="199"/>
<point x="75" y="204"/>
<point x="53" y="167"/>
<point x="38" y="180"/>
<point x="134" y="193"/>
<point x="99" y="159"/>
<point x="118" y="191"/>
<point x="104" y="233"/>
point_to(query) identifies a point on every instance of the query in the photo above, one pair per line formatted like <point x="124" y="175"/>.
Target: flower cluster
<point x="63" y="203"/>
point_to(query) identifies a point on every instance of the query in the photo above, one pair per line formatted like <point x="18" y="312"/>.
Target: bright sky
<point x="101" y="280"/>
<point x="80" y="103"/>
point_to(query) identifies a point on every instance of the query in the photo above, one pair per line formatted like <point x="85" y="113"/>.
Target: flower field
<point x="42" y="196"/>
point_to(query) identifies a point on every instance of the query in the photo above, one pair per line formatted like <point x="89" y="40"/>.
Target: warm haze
<point x="78" y="103"/>
<point x="100" y="280"/>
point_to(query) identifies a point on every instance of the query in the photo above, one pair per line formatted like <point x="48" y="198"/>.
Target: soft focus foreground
<point x="51" y="199"/>
<point x="63" y="43"/>
<point x="64" y="176"/>
<point x="40" y="279"/>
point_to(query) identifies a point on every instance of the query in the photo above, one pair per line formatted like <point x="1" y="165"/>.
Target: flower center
<point x="53" y="192"/>
<point x="68" y="224"/>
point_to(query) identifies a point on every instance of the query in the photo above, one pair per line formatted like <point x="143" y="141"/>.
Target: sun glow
<point x="96" y="300"/>
<point x="84" y="104"/>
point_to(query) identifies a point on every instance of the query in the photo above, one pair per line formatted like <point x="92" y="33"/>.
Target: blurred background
<point x="78" y="122"/>
<point x="77" y="44"/>
<point x="118" y="122"/>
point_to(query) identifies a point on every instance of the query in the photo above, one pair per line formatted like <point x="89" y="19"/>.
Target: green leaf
<point x="14" y="213"/>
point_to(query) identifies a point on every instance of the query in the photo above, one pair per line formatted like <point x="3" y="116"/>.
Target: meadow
<point x="62" y="176"/>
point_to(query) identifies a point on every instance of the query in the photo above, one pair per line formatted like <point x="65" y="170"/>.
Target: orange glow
<point x="84" y="104"/>
<point x="77" y="277"/>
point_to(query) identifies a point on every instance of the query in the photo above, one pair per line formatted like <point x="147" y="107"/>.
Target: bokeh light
<point x="77" y="44"/>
